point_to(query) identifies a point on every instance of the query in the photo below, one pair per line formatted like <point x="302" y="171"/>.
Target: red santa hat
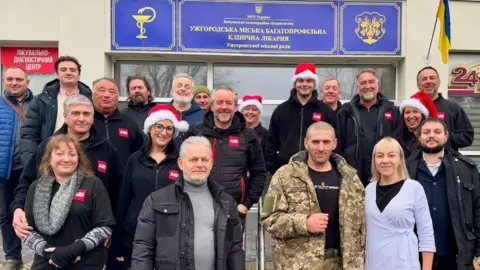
<point x="164" y="112"/>
<point x="422" y="102"/>
<point x="251" y="100"/>
<point x="305" y="71"/>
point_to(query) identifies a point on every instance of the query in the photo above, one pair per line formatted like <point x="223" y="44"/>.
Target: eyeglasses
<point x="161" y="128"/>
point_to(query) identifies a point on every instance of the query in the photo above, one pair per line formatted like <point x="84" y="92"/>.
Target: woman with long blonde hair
<point x="394" y="205"/>
<point x="68" y="209"/>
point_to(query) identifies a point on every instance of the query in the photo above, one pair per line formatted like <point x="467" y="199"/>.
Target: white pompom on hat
<point x="164" y="112"/>
<point x="306" y="71"/>
<point x="251" y="100"/>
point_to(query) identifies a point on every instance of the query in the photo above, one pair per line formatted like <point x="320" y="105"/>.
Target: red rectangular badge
<point x="441" y="116"/>
<point x="102" y="166"/>
<point x="316" y="117"/>
<point x="233" y="141"/>
<point x="80" y="195"/>
<point x="388" y="115"/>
<point x="123" y="132"/>
<point x="173" y="175"/>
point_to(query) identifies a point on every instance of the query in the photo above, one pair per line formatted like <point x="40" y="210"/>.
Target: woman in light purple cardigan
<point x="394" y="205"/>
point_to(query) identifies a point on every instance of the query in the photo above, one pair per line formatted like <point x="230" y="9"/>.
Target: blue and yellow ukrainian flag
<point x="444" y="42"/>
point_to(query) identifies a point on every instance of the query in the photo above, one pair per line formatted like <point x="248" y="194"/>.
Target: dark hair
<point x="434" y="120"/>
<point x="145" y="82"/>
<point x="404" y="136"/>
<point x="67" y="58"/>
<point x="170" y="146"/>
<point x="425" y="68"/>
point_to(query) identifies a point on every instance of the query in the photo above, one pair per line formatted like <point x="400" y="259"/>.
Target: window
<point x="275" y="82"/>
<point x="160" y="74"/>
<point x="464" y="88"/>
<point x="37" y="81"/>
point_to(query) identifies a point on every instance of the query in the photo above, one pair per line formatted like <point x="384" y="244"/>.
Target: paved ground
<point x="250" y="245"/>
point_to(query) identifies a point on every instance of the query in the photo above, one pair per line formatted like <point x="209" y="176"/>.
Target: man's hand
<point x="20" y="224"/>
<point x="242" y="209"/>
<point x="317" y="223"/>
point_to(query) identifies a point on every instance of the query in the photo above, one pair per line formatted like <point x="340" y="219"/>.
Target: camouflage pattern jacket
<point x="291" y="198"/>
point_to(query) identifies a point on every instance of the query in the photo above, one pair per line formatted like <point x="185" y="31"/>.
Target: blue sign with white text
<point x="258" y="27"/>
<point x="143" y="25"/>
<point x="370" y="28"/>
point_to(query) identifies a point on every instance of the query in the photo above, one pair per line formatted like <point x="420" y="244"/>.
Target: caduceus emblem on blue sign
<point x="370" y="26"/>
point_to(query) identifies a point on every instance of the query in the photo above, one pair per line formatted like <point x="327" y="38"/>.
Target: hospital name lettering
<point x="249" y="30"/>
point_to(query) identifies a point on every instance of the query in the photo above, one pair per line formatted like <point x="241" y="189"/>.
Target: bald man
<point x="305" y="208"/>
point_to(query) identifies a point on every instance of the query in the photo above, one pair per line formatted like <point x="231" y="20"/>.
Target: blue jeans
<point x="12" y="245"/>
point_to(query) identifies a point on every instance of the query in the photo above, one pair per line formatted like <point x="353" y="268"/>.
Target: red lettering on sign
<point x="80" y="195"/>
<point x="123" y="132"/>
<point x="33" y="60"/>
<point x="461" y="76"/>
<point x="233" y="141"/>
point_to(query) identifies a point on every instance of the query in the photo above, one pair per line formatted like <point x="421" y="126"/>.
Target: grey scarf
<point x="49" y="218"/>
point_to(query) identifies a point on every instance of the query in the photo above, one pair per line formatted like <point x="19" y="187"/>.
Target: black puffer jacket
<point x="262" y="134"/>
<point x="463" y="192"/>
<point x="138" y="113"/>
<point x="288" y="128"/>
<point x="103" y="157"/>
<point x="236" y="151"/>
<point x="41" y="118"/>
<point x="349" y="133"/>
<point x="165" y="231"/>
<point x="143" y="175"/>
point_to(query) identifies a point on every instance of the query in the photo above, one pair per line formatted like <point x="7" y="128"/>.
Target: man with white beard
<point x="362" y="122"/>
<point x="182" y="94"/>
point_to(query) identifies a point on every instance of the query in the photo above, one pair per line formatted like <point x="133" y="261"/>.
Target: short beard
<point x="432" y="150"/>
<point x="194" y="181"/>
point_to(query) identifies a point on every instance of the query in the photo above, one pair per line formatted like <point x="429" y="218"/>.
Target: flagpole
<point x="431" y="39"/>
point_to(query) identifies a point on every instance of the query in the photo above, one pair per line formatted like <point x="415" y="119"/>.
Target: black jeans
<point x="12" y="245"/>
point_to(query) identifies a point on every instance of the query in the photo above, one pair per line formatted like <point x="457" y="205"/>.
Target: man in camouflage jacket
<point x="292" y="198"/>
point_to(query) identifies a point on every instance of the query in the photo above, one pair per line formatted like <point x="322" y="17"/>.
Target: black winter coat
<point x="349" y="133"/>
<point x="236" y="151"/>
<point x="143" y="175"/>
<point x="121" y="131"/>
<point x="460" y="130"/>
<point x="103" y="157"/>
<point x="288" y="128"/>
<point x="138" y="113"/>
<point x="262" y="134"/>
<point x="463" y="192"/>
<point x="41" y="117"/>
<point x="166" y="221"/>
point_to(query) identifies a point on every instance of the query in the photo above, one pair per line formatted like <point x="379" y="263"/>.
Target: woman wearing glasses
<point x="149" y="169"/>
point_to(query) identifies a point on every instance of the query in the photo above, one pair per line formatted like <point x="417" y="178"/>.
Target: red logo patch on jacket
<point x="80" y="195"/>
<point x="388" y="115"/>
<point x="233" y="141"/>
<point x="102" y="166"/>
<point x="316" y="117"/>
<point x="123" y="132"/>
<point x="441" y="116"/>
<point x="173" y="175"/>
